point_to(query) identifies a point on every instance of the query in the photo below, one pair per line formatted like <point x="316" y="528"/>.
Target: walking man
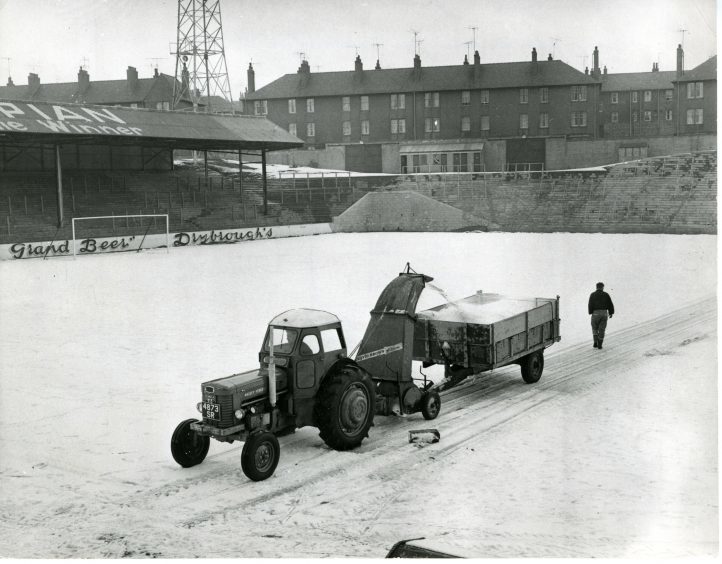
<point x="600" y="306"/>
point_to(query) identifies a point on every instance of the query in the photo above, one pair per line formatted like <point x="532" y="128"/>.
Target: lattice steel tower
<point x="200" y="66"/>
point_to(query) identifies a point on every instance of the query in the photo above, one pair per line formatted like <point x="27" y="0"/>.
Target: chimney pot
<point x="378" y="65"/>
<point x="533" y="54"/>
<point x="466" y="60"/>
<point x="550" y="58"/>
<point x="358" y="65"/>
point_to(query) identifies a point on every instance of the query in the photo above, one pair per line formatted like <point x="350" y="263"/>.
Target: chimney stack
<point x="605" y="69"/>
<point x="550" y="58"/>
<point x="466" y="60"/>
<point x="305" y="68"/>
<point x="477" y="58"/>
<point x="251" y="79"/>
<point x="595" y="59"/>
<point x="680" y="59"/>
<point x="358" y="65"/>
<point x="378" y="65"/>
<point x="10" y="81"/>
<point x="533" y="54"/>
<point x="417" y="62"/>
<point x="33" y="82"/>
<point x="155" y="72"/>
<point x="83" y="80"/>
<point x="132" y="76"/>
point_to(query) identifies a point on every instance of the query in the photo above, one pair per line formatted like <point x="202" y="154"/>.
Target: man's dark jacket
<point x="600" y="300"/>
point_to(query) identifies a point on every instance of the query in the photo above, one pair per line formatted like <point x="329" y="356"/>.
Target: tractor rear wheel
<point x="344" y="408"/>
<point x="260" y="456"/>
<point x="188" y="447"/>
<point x="430" y="405"/>
<point x="532" y="366"/>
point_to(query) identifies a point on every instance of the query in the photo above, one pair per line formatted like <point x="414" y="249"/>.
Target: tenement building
<point x="444" y="118"/>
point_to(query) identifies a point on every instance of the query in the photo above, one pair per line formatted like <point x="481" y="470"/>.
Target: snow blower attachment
<point x="305" y="377"/>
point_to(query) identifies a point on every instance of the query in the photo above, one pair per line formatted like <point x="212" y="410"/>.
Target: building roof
<point x="97" y="91"/>
<point x="658" y="80"/>
<point x="40" y="122"/>
<point x="454" y="77"/>
<point x="704" y="71"/>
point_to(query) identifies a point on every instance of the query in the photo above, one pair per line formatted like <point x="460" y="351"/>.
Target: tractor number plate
<point x="211" y="410"/>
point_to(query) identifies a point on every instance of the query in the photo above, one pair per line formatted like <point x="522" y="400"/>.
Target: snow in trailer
<point x="611" y="454"/>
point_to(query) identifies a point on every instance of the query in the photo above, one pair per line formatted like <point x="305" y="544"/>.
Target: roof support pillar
<point x="265" y="187"/>
<point x="240" y="173"/>
<point x="59" y="184"/>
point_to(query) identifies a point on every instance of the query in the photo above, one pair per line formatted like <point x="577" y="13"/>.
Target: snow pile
<point x="612" y="454"/>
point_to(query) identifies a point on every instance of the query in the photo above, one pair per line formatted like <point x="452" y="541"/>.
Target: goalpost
<point x="135" y="232"/>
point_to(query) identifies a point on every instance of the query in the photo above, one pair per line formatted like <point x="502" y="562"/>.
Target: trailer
<point x="487" y="331"/>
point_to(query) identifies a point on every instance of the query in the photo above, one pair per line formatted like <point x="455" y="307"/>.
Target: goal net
<point x="113" y="233"/>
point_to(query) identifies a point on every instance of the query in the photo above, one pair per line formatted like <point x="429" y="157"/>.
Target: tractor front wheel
<point x="430" y="405"/>
<point x="188" y="447"/>
<point x="344" y="409"/>
<point x="532" y="366"/>
<point x="260" y="456"/>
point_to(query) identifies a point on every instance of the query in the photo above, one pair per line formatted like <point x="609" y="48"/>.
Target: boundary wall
<point x="130" y="243"/>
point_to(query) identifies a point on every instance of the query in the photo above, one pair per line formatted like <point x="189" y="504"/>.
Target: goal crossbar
<point x="120" y="217"/>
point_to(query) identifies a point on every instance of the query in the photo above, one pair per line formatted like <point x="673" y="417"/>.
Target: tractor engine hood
<point x="249" y="386"/>
<point x="387" y="346"/>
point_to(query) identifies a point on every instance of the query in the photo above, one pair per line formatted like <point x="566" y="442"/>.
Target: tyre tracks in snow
<point x="315" y="475"/>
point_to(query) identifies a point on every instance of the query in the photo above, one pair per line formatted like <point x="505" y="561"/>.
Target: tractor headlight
<point x="239" y="413"/>
<point x="199" y="407"/>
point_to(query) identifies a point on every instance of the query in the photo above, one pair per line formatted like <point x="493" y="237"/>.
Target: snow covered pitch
<point x="612" y="454"/>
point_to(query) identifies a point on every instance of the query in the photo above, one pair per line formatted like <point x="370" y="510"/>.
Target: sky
<point x="53" y="38"/>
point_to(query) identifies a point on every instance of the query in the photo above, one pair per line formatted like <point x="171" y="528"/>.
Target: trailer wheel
<point x="188" y="447"/>
<point x="260" y="456"/>
<point x="344" y="408"/>
<point x="532" y="366"/>
<point x="430" y="405"/>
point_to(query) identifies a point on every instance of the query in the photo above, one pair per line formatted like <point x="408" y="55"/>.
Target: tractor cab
<point x="306" y="343"/>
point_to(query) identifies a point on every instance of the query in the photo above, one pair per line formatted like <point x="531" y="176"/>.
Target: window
<point x="292" y="106"/>
<point x="331" y="340"/>
<point x="309" y="105"/>
<point x="292" y="129"/>
<point x="346" y="103"/>
<point x="432" y="124"/>
<point x="398" y="101"/>
<point x="283" y="340"/>
<point x="614" y="97"/>
<point x="461" y="162"/>
<point x="310" y="129"/>
<point x="261" y="107"/>
<point x="364" y="103"/>
<point x="695" y="90"/>
<point x="431" y="100"/>
<point x="695" y="117"/>
<point x="347" y="128"/>
<point x="439" y="160"/>
<point x="159" y="106"/>
<point x="579" y="93"/>
<point x="647" y="115"/>
<point x="544" y="95"/>
<point x="484" y="96"/>
<point x="465" y="97"/>
<point x="309" y="345"/>
<point x="543" y="120"/>
<point x="466" y="124"/>
<point x="485" y="123"/>
<point x="668" y="94"/>
<point x="398" y="126"/>
<point x="523" y="95"/>
<point x="365" y="127"/>
<point x="523" y="121"/>
<point x="579" y="119"/>
<point x="419" y="162"/>
<point x="615" y="117"/>
<point x="635" y="97"/>
<point x="668" y="115"/>
<point x="647" y="95"/>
